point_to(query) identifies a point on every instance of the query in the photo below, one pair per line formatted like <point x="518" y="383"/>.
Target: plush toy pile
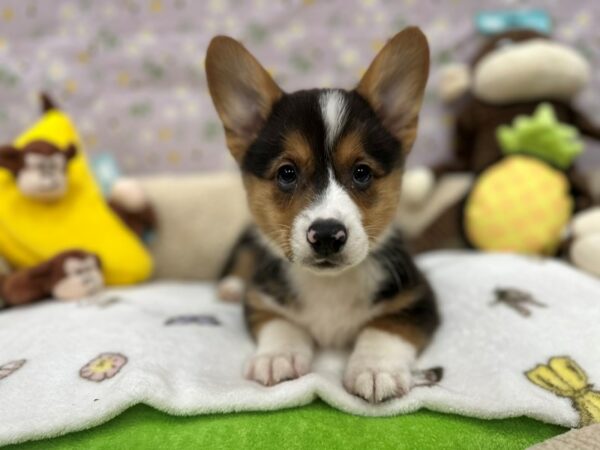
<point x="56" y="230"/>
<point x="517" y="132"/>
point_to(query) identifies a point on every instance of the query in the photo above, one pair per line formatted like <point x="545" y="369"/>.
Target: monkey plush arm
<point x="129" y="201"/>
<point x="23" y="287"/>
<point x="70" y="275"/>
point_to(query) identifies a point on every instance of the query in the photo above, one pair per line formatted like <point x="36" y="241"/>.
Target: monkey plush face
<point x="78" y="275"/>
<point x="70" y="275"/>
<point x="40" y="169"/>
<point x="523" y="65"/>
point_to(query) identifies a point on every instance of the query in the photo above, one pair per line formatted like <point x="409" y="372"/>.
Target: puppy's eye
<point x="362" y="175"/>
<point x="287" y="177"/>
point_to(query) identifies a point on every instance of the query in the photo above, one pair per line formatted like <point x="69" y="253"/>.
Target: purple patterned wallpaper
<point x="131" y="71"/>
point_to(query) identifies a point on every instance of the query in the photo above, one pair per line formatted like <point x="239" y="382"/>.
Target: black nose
<point x="327" y="236"/>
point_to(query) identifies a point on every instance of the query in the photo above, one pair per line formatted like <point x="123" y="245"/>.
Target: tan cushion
<point x="199" y="220"/>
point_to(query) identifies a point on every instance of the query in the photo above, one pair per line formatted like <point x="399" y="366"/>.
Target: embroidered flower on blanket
<point x="11" y="367"/>
<point x="103" y="367"/>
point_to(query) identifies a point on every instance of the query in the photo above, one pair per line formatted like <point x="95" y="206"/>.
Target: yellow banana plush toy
<point x="42" y="216"/>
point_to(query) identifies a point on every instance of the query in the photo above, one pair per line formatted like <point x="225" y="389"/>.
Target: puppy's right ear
<point x="242" y="91"/>
<point x="11" y="159"/>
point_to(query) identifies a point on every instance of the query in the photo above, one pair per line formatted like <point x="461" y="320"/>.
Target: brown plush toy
<point x="509" y="78"/>
<point x="70" y="275"/>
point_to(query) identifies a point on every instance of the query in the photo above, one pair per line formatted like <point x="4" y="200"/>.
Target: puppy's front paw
<point x="376" y="379"/>
<point x="273" y="368"/>
<point x="231" y="289"/>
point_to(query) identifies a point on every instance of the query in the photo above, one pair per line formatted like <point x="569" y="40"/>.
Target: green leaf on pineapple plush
<point x="541" y="136"/>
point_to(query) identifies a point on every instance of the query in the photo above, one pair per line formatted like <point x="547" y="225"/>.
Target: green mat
<point x="314" y="426"/>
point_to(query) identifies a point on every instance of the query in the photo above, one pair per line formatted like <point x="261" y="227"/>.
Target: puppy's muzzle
<point x="327" y="237"/>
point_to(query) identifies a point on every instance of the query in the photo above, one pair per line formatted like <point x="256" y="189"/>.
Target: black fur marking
<point x="422" y="314"/>
<point x="269" y="274"/>
<point x="301" y="112"/>
<point x="246" y="241"/>
<point x="377" y="141"/>
<point x="401" y="271"/>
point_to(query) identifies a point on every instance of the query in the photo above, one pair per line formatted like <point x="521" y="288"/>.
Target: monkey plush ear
<point x="394" y="83"/>
<point x="71" y="152"/>
<point x="242" y="91"/>
<point x="11" y="159"/>
<point x="47" y="102"/>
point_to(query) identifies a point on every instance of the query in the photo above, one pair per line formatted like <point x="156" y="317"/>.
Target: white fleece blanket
<point x="64" y="367"/>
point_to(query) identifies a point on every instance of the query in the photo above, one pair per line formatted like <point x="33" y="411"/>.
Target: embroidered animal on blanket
<point x="563" y="377"/>
<point x="324" y="265"/>
<point x="517" y="300"/>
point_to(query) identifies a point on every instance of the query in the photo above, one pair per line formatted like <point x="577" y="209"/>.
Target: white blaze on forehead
<point x="334" y="110"/>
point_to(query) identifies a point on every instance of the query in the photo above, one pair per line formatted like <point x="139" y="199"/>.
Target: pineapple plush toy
<point x="523" y="202"/>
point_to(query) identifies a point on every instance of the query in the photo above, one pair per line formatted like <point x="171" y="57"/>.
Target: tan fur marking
<point x="378" y="204"/>
<point x="349" y="152"/>
<point x="297" y="150"/>
<point x="379" y="214"/>
<point x="257" y="313"/>
<point x="410" y="332"/>
<point x="274" y="211"/>
<point x="244" y="265"/>
<point x="400" y="302"/>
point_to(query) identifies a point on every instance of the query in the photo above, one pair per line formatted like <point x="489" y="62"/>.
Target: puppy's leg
<point x="239" y="268"/>
<point x="285" y="352"/>
<point x="380" y="365"/>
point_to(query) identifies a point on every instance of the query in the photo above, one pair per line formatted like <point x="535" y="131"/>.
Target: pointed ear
<point x="395" y="81"/>
<point x="71" y="152"/>
<point x="242" y="91"/>
<point x="11" y="159"/>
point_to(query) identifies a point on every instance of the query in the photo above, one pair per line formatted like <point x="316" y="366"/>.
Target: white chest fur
<point x="333" y="308"/>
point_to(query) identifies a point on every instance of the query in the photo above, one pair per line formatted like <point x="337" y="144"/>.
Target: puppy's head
<point x="322" y="168"/>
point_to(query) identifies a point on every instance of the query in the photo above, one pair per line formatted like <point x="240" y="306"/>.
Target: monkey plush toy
<point x="512" y="75"/>
<point x="56" y="230"/>
<point x="39" y="169"/>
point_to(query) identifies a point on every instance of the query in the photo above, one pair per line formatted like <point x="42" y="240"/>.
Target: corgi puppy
<point x="323" y="265"/>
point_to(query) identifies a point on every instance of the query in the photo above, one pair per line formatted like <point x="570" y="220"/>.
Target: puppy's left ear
<point x="394" y="84"/>
<point x="242" y="91"/>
